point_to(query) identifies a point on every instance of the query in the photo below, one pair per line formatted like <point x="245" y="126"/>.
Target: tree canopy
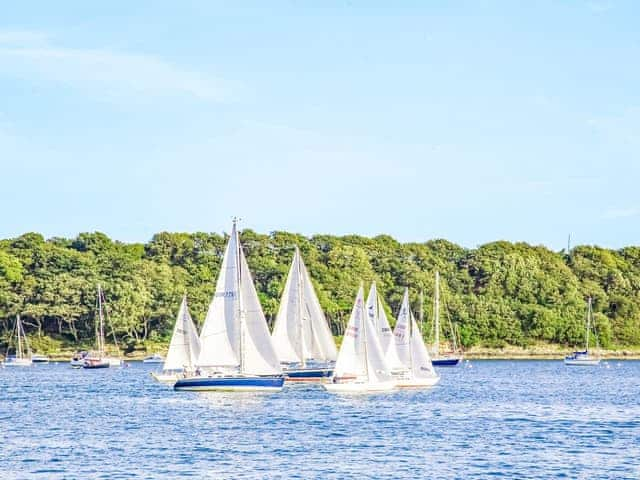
<point x="497" y="294"/>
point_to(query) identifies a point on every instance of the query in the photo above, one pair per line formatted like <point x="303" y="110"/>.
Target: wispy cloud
<point x="622" y="212"/>
<point x="599" y="6"/>
<point x="33" y="56"/>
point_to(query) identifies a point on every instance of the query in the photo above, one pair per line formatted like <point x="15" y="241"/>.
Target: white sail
<point x="184" y="348"/>
<point x="378" y="318"/>
<point x="235" y="332"/>
<point x="219" y="343"/>
<point x="410" y="344"/>
<point x="301" y="331"/>
<point x="360" y="354"/>
<point x="259" y="356"/>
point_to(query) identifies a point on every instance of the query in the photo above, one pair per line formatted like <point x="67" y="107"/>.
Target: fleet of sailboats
<point x="236" y="352"/>
<point x="301" y="335"/>
<point x="584" y="358"/>
<point x="22" y="357"/>
<point x="361" y="364"/>
<point x="184" y="348"/>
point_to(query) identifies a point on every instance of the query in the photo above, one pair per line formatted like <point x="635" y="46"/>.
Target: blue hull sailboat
<point x="301" y="336"/>
<point x="584" y="358"/>
<point x="450" y="359"/>
<point x="236" y="353"/>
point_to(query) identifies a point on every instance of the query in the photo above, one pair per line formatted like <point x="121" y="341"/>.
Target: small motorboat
<point x="37" y="358"/>
<point x="155" y="358"/>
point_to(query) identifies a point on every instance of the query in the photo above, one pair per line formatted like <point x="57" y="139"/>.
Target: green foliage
<point x="498" y="294"/>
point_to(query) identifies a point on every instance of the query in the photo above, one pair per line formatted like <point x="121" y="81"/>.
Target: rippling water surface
<point x="511" y="419"/>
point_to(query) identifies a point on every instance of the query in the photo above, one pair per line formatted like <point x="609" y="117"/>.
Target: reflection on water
<point x="515" y="419"/>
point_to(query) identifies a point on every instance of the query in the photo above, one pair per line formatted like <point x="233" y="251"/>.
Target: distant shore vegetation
<point x="496" y="295"/>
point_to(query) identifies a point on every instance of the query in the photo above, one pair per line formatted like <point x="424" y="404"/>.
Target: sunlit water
<point x="510" y="419"/>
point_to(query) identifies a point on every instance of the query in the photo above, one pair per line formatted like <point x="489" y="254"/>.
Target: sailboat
<point x="412" y="351"/>
<point x="361" y="366"/>
<point x="450" y="359"/>
<point x="22" y="357"/>
<point x="301" y="336"/>
<point x="183" y="349"/>
<point x="236" y="352"/>
<point x="378" y="317"/>
<point x="98" y="358"/>
<point x="584" y="358"/>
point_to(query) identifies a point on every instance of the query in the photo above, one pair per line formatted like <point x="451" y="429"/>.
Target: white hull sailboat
<point x="22" y="358"/>
<point x="183" y="349"/>
<point x="361" y="365"/>
<point x="301" y="336"/>
<point x="236" y="352"/>
<point x="98" y="358"/>
<point x="412" y="351"/>
<point x="584" y="358"/>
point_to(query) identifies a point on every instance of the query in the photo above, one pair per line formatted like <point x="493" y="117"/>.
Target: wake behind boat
<point x="584" y="358"/>
<point x="361" y="366"/>
<point x="301" y="336"/>
<point x="236" y="351"/>
<point x="183" y="349"/>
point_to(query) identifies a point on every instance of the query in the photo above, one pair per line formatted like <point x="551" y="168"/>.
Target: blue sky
<point x="471" y="121"/>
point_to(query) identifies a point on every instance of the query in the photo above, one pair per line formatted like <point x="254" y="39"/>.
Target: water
<point x="510" y="419"/>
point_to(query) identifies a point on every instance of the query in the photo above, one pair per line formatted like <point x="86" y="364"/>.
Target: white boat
<point x="301" y="335"/>
<point x="449" y="359"/>
<point x="37" y="358"/>
<point x="183" y="349"/>
<point x="236" y="351"/>
<point x="412" y="351"/>
<point x="22" y="357"/>
<point x="378" y="318"/>
<point x="155" y="358"/>
<point x="77" y="361"/>
<point x="584" y="358"/>
<point x="361" y="365"/>
<point x="98" y="358"/>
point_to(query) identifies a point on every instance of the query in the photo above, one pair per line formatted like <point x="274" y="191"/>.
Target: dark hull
<point x="239" y="383"/>
<point x="446" y="362"/>
<point x="93" y="366"/>
<point x="308" y="374"/>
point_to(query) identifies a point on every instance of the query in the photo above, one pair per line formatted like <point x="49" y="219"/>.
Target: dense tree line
<point x="500" y="293"/>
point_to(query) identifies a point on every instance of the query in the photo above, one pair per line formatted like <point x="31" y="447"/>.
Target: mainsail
<point x="235" y="333"/>
<point x="301" y="332"/>
<point x="378" y="318"/>
<point x="360" y="353"/>
<point x="184" y="348"/>
<point x="410" y="344"/>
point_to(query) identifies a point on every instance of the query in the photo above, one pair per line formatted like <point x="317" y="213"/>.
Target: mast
<point x="436" y="316"/>
<point x="364" y="319"/>
<point x="186" y="329"/>
<point x="421" y="310"/>
<point x="300" y="319"/>
<point x="19" y="350"/>
<point x="240" y="312"/>
<point x="586" y="348"/>
<point x="410" y="332"/>
<point x="101" y="323"/>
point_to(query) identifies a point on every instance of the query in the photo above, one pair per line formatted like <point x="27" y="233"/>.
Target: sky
<point x="473" y="121"/>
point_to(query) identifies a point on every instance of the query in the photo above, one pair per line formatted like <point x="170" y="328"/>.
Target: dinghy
<point x="155" y="358"/>
<point x="412" y="351"/>
<point x="22" y="357"/>
<point x="361" y="365"/>
<point x="183" y="349"/>
<point x="301" y="336"/>
<point x="236" y="352"/>
<point x="584" y="358"/>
